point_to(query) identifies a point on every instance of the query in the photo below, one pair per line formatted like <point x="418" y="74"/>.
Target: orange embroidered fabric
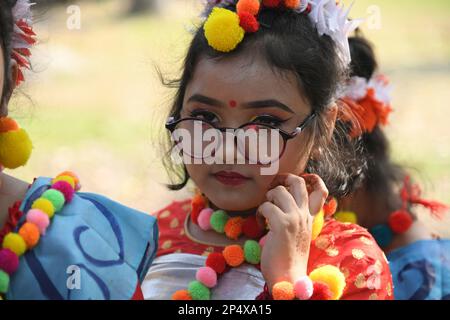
<point x="349" y="247"/>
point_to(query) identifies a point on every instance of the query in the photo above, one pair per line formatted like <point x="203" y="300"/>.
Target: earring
<point x="15" y="144"/>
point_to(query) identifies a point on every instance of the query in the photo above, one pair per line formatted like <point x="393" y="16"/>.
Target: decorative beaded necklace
<point x="326" y="282"/>
<point x="36" y="222"/>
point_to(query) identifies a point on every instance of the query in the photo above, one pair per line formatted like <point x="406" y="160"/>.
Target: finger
<point x="272" y="215"/>
<point x="282" y="198"/>
<point x="295" y="185"/>
<point x="318" y="192"/>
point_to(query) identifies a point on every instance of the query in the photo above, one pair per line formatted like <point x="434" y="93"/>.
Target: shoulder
<point x="354" y="251"/>
<point x="175" y="210"/>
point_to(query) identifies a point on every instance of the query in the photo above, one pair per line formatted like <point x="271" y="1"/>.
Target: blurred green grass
<point x="97" y="106"/>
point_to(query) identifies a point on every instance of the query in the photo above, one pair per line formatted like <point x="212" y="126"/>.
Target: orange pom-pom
<point x="250" y="6"/>
<point x="8" y="124"/>
<point x="248" y="22"/>
<point x="283" y="290"/>
<point x="329" y="208"/>
<point x="30" y="234"/>
<point x="181" y="295"/>
<point x="291" y="4"/>
<point x="233" y="227"/>
<point x="234" y="255"/>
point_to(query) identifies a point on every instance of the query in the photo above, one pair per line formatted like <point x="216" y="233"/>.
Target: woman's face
<point x="234" y="91"/>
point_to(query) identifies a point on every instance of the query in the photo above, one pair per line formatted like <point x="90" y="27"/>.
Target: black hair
<point x="289" y="42"/>
<point x="382" y="176"/>
<point x="6" y="31"/>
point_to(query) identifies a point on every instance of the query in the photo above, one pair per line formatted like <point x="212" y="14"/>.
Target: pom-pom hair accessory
<point x="224" y="29"/>
<point x="15" y="144"/>
<point x="26" y="236"/>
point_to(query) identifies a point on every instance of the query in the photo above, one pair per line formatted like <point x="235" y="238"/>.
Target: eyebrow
<point x="253" y="104"/>
<point x="267" y="104"/>
<point x="205" y="100"/>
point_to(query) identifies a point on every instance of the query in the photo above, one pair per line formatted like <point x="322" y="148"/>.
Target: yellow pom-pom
<point x="346" y="216"/>
<point x="283" y="290"/>
<point x="222" y="30"/>
<point x="70" y="180"/>
<point x="15" y="243"/>
<point x="331" y="276"/>
<point x="15" y="148"/>
<point x="45" y="206"/>
<point x="317" y="225"/>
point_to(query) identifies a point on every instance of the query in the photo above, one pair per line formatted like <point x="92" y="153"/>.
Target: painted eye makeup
<point x="204" y="115"/>
<point x="268" y="120"/>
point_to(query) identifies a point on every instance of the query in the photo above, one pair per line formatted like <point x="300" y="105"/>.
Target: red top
<point x="347" y="246"/>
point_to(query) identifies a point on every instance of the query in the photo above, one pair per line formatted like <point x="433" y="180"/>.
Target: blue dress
<point x="421" y="270"/>
<point x="94" y="248"/>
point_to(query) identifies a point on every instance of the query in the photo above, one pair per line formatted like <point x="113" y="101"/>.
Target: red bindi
<point x="233" y="103"/>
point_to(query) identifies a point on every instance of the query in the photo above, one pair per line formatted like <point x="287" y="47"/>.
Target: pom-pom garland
<point x="37" y="220"/>
<point x="221" y="222"/>
<point x="324" y="283"/>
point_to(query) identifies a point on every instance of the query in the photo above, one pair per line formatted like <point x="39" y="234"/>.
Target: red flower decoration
<point x="14" y="215"/>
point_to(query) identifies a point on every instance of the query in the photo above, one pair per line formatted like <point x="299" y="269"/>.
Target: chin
<point x="239" y="199"/>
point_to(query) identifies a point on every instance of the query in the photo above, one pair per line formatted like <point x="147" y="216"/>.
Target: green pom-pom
<point x="198" y="291"/>
<point x="55" y="197"/>
<point x="252" y="252"/>
<point x="218" y="220"/>
<point x="4" y="282"/>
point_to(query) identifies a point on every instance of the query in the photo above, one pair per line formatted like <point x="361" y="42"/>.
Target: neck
<point x="240" y="213"/>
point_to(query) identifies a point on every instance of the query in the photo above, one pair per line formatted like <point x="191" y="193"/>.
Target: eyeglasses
<point x="257" y="143"/>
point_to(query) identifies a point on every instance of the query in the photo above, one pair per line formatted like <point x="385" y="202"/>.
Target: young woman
<point x="55" y="242"/>
<point x="270" y="68"/>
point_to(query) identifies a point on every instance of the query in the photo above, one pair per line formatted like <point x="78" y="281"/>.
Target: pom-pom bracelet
<point x="35" y="225"/>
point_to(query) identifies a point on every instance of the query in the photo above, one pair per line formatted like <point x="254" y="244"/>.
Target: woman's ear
<point x="330" y="120"/>
<point x="330" y="117"/>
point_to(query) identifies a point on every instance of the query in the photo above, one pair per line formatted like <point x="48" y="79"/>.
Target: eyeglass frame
<point x="172" y="123"/>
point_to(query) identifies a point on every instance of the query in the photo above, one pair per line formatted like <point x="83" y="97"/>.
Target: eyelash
<point x="268" y="119"/>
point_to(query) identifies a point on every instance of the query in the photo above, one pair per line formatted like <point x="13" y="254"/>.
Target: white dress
<point x="175" y="271"/>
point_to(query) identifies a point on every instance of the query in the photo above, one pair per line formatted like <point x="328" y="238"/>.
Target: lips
<point x="230" y="178"/>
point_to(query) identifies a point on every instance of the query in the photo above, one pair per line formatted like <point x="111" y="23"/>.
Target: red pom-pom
<point x="9" y="261"/>
<point x="65" y="188"/>
<point x="197" y="205"/>
<point x="216" y="261"/>
<point x="400" y="221"/>
<point x="329" y="208"/>
<point x="248" y="22"/>
<point x="271" y="3"/>
<point x="321" y="292"/>
<point x="251" y="229"/>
